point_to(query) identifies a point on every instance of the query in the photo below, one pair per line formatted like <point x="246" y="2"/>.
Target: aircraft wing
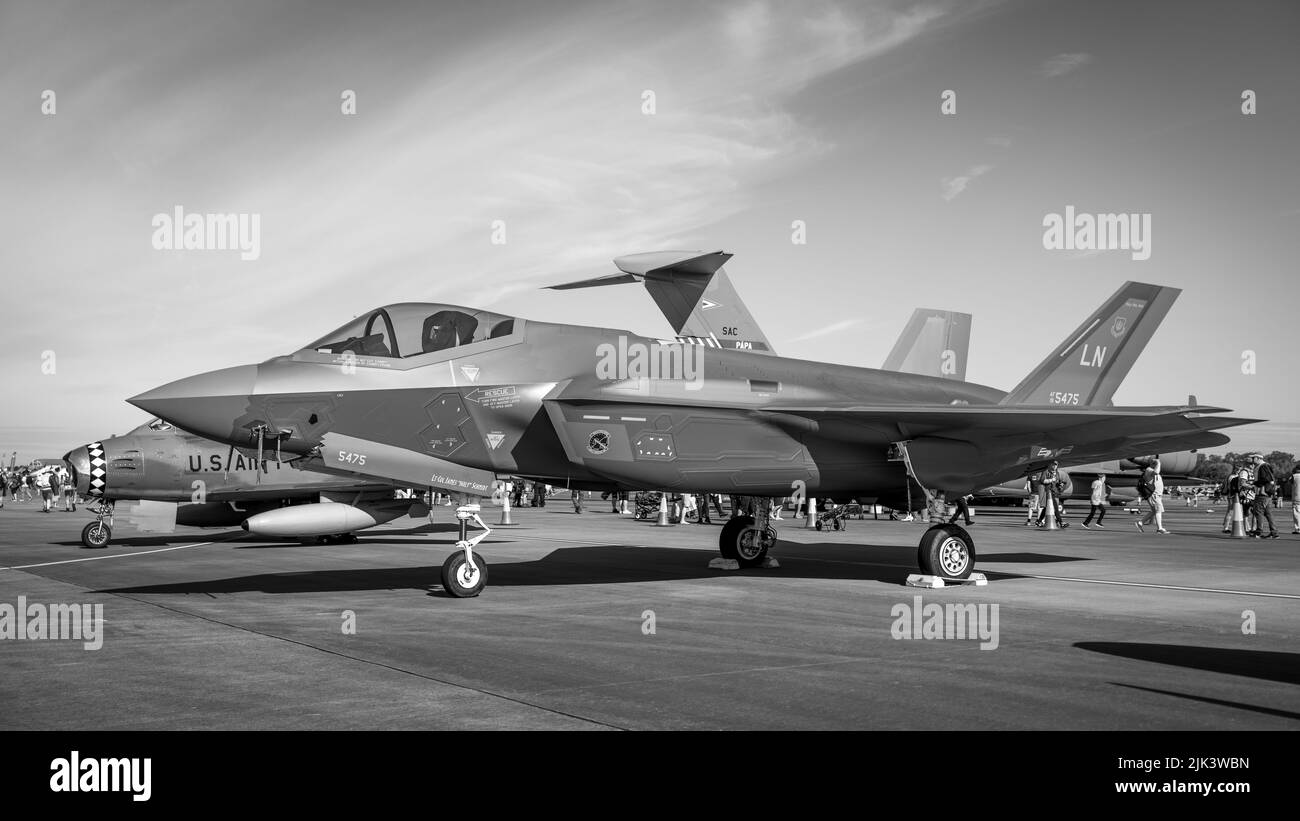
<point x="959" y="448"/>
<point x="953" y="447"/>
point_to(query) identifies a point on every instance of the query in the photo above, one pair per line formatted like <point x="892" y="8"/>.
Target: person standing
<point x="1246" y="495"/>
<point x="1231" y="494"/>
<point x="1265" y="488"/>
<point x="1053" y="483"/>
<point x="703" y="509"/>
<point x="963" y="510"/>
<point x="1100" y="493"/>
<point x="56" y="487"/>
<point x="1295" y="498"/>
<point x="1034" y="485"/>
<point x="47" y="495"/>
<point x="1154" y="486"/>
<point x="577" y="500"/>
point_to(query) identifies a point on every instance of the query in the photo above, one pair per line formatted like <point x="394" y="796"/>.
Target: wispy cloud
<point x="953" y="186"/>
<point x="827" y="330"/>
<point x="462" y="120"/>
<point x="1065" y="63"/>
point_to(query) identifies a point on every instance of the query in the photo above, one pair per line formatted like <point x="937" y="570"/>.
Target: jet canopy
<point x="413" y="328"/>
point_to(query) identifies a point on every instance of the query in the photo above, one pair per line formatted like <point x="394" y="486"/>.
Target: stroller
<point x="835" y="517"/>
<point x="647" y="504"/>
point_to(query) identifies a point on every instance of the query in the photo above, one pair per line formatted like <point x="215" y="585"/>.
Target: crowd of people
<point x="51" y="484"/>
<point x="1256" y="487"/>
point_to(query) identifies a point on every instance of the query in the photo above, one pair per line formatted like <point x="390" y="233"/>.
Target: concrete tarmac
<point x="597" y="621"/>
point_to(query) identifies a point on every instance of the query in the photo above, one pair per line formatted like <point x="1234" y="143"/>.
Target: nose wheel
<point x="96" y="535"/>
<point x="99" y="533"/>
<point x="464" y="574"/>
<point x="462" y="579"/>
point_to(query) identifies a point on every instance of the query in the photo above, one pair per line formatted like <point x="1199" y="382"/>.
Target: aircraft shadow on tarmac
<point x="1261" y="664"/>
<point x="1239" y="705"/>
<point x="1029" y="558"/>
<point x="586" y="564"/>
<point x="170" y="539"/>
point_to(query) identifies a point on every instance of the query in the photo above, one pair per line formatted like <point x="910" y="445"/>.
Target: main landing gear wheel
<point x="743" y="540"/>
<point x="459" y="579"/>
<point x="96" y="534"/>
<point x="730" y="530"/>
<point x="947" y="551"/>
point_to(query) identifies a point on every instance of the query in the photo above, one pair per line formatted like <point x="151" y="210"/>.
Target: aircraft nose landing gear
<point x="464" y="575"/>
<point x="99" y="533"/>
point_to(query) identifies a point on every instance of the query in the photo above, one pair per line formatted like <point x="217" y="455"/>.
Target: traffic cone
<point x="505" y="510"/>
<point x="663" y="511"/>
<point x="1051" y="513"/>
<point x="1238" y="526"/>
<point x="811" y="521"/>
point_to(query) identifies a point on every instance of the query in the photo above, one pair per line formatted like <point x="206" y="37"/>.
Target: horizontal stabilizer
<point x="694" y="294"/>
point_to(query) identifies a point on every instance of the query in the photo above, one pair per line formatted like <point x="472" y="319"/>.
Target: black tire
<point x="947" y="551"/>
<point x="456" y="579"/>
<point x="837" y="525"/>
<point x="96" y="535"/>
<point x="753" y="543"/>
<point x="819" y="524"/>
<point x="730" y="531"/>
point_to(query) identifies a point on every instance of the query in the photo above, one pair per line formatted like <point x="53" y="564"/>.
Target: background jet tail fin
<point x="933" y="343"/>
<point x="1089" y="366"/>
<point x="695" y="295"/>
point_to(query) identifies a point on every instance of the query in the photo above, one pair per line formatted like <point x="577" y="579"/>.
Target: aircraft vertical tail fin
<point x="695" y="295"/>
<point x="933" y="343"/>
<point x="1088" y="367"/>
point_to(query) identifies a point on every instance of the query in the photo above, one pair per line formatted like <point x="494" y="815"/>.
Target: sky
<point x="592" y="130"/>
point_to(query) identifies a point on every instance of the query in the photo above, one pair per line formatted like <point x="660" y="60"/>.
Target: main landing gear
<point x="99" y="533"/>
<point x="464" y="575"/>
<point x="947" y="551"/>
<point x="746" y="540"/>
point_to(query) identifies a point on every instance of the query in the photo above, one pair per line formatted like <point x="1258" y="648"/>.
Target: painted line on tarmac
<point x="1155" y="586"/>
<point x="113" y="556"/>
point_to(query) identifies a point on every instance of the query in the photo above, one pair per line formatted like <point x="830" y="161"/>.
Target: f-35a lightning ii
<point x="596" y="408"/>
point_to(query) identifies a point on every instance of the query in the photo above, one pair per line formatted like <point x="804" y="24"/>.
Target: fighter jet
<point x="158" y="477"/>
<point x="589" y="407"/>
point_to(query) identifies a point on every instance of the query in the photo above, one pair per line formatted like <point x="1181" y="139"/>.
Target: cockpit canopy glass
<point x="414" y="328"/>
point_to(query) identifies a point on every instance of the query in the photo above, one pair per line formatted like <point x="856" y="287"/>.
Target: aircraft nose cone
<point x="78" y="461"/>
<point x="207" y="404"/>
